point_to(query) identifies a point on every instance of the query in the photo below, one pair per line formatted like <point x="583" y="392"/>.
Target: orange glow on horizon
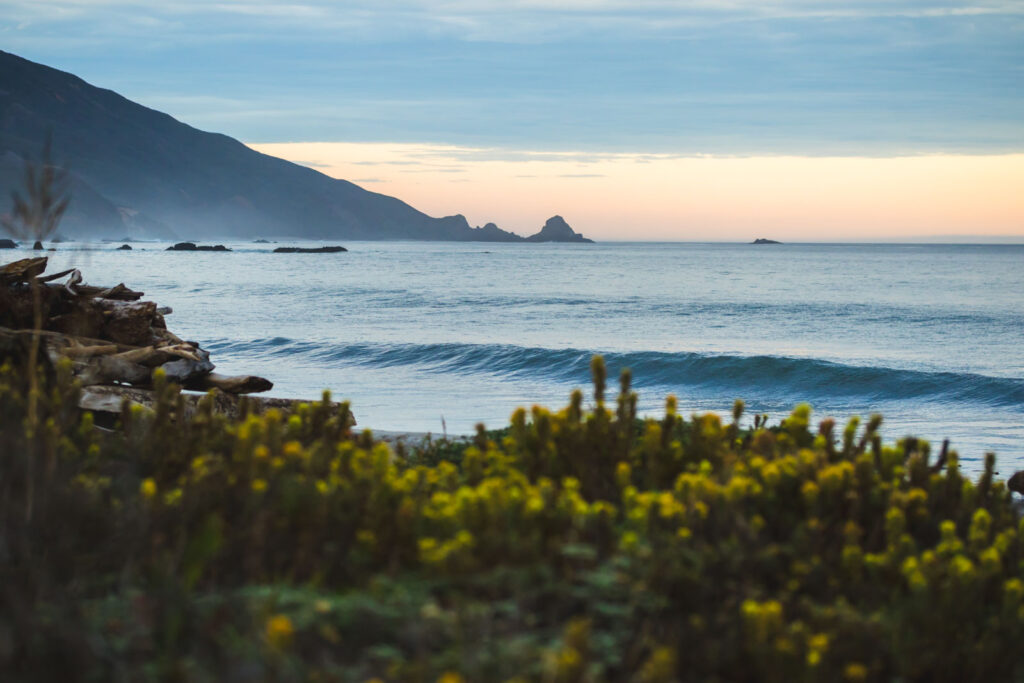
<point x="665" y="197"/>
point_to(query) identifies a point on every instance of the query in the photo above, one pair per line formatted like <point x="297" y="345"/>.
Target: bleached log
<point x="108" y="399"/>
<point x="78" y="351"/>
<point x="75" y="279"/>
<point x="110" y="369"/>
<point x="152" y="356"/>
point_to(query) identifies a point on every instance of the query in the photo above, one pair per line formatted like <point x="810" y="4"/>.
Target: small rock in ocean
<point x="8" y="244"/>
<point x="309" y="250"/>
<point x="125" y="247"/>
<point x="38" y="245"/>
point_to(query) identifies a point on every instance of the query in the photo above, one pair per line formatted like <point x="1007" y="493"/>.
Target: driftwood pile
<point x="114" y="339"/>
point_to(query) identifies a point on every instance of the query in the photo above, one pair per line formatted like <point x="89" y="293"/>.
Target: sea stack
<point x="557" y="230"/>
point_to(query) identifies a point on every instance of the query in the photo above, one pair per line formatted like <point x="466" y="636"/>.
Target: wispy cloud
<point x="704" y="76"/>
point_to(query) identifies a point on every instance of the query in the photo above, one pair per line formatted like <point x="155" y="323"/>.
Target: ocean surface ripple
<point x="799" y="379"/>
<point x="438" y="336"/>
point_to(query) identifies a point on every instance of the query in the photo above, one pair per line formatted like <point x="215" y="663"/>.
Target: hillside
<point x="141" y="173"/>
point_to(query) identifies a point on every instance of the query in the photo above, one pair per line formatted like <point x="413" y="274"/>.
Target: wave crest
<point x="767" y="377"/>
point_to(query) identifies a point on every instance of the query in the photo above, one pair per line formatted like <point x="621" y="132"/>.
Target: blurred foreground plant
<point x="35" y="216"/>
<point x="577" y="545"/>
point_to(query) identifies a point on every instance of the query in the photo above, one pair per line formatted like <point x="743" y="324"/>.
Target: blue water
<point x="439" y="336"/>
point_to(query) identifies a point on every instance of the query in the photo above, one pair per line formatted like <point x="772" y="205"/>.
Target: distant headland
<point x="140" y="173"/>
<point x="761" y="240"/>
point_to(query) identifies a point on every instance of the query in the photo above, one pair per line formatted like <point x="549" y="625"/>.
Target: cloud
<point x="601" y="76"/>
<point x="475" y="20"/>
<point x="312" y="164"/>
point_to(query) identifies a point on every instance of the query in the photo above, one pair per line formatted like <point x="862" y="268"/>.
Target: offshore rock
<point x="309" y="250"/>
<point x="8" y="244"/>
<point x="557" y="230"/>
<point x="191" y="246"/>
<point x="492" y="233"/>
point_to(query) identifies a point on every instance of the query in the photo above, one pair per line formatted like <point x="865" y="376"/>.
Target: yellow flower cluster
<point x="800" y="553"/>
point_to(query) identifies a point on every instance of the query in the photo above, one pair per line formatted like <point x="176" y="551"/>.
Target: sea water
<point x="433" y="336"/>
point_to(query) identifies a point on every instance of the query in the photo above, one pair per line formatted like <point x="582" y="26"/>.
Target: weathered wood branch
<point x="54" y="276"/>
<point x="111" y="369"/>
<point x="108" y="399"/>
<point x="88" y="351"/>
<point x="22" y="270"/>
<point x="242" y="384"/>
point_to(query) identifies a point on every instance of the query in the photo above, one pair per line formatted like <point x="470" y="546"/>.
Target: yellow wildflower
<point x="279" y="631"/>
<point x="148" y="488"/>
<point x="855" y="671"/>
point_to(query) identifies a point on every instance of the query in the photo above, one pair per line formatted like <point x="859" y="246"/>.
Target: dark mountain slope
<point x="158" y="170"/>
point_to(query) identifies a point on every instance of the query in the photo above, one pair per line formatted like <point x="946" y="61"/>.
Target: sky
<point x="640" y="119"/>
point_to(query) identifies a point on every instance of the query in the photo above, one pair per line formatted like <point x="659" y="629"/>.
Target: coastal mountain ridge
<point x="140" y="173"/>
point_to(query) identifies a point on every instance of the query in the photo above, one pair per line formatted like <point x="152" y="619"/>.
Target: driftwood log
<point x="22" y="270"/>
<point x="109" y="399"/>
<point x="242" y="384"/>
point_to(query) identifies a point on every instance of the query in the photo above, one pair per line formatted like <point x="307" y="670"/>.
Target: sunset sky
<point x="644" y="119"/>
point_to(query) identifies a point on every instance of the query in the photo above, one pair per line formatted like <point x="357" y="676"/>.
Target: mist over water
<point x="929" y="335"/>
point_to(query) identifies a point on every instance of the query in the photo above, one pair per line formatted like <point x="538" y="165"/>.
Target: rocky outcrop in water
<point x="8" y="244"/>
<point x="191" y="246"/>
<point x="557" y="230"/>
<point x="309" y="250"/>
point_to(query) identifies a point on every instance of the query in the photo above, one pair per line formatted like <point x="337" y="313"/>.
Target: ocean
<point x="436" y="337"/>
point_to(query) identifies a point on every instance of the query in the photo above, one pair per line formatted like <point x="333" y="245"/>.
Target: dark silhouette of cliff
<point x="139" y="172"/>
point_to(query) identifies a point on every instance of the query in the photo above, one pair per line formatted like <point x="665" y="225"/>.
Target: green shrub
<point x="577" y="545"/>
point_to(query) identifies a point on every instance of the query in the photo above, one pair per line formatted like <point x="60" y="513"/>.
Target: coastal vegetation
<point x="582" y="544"/>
